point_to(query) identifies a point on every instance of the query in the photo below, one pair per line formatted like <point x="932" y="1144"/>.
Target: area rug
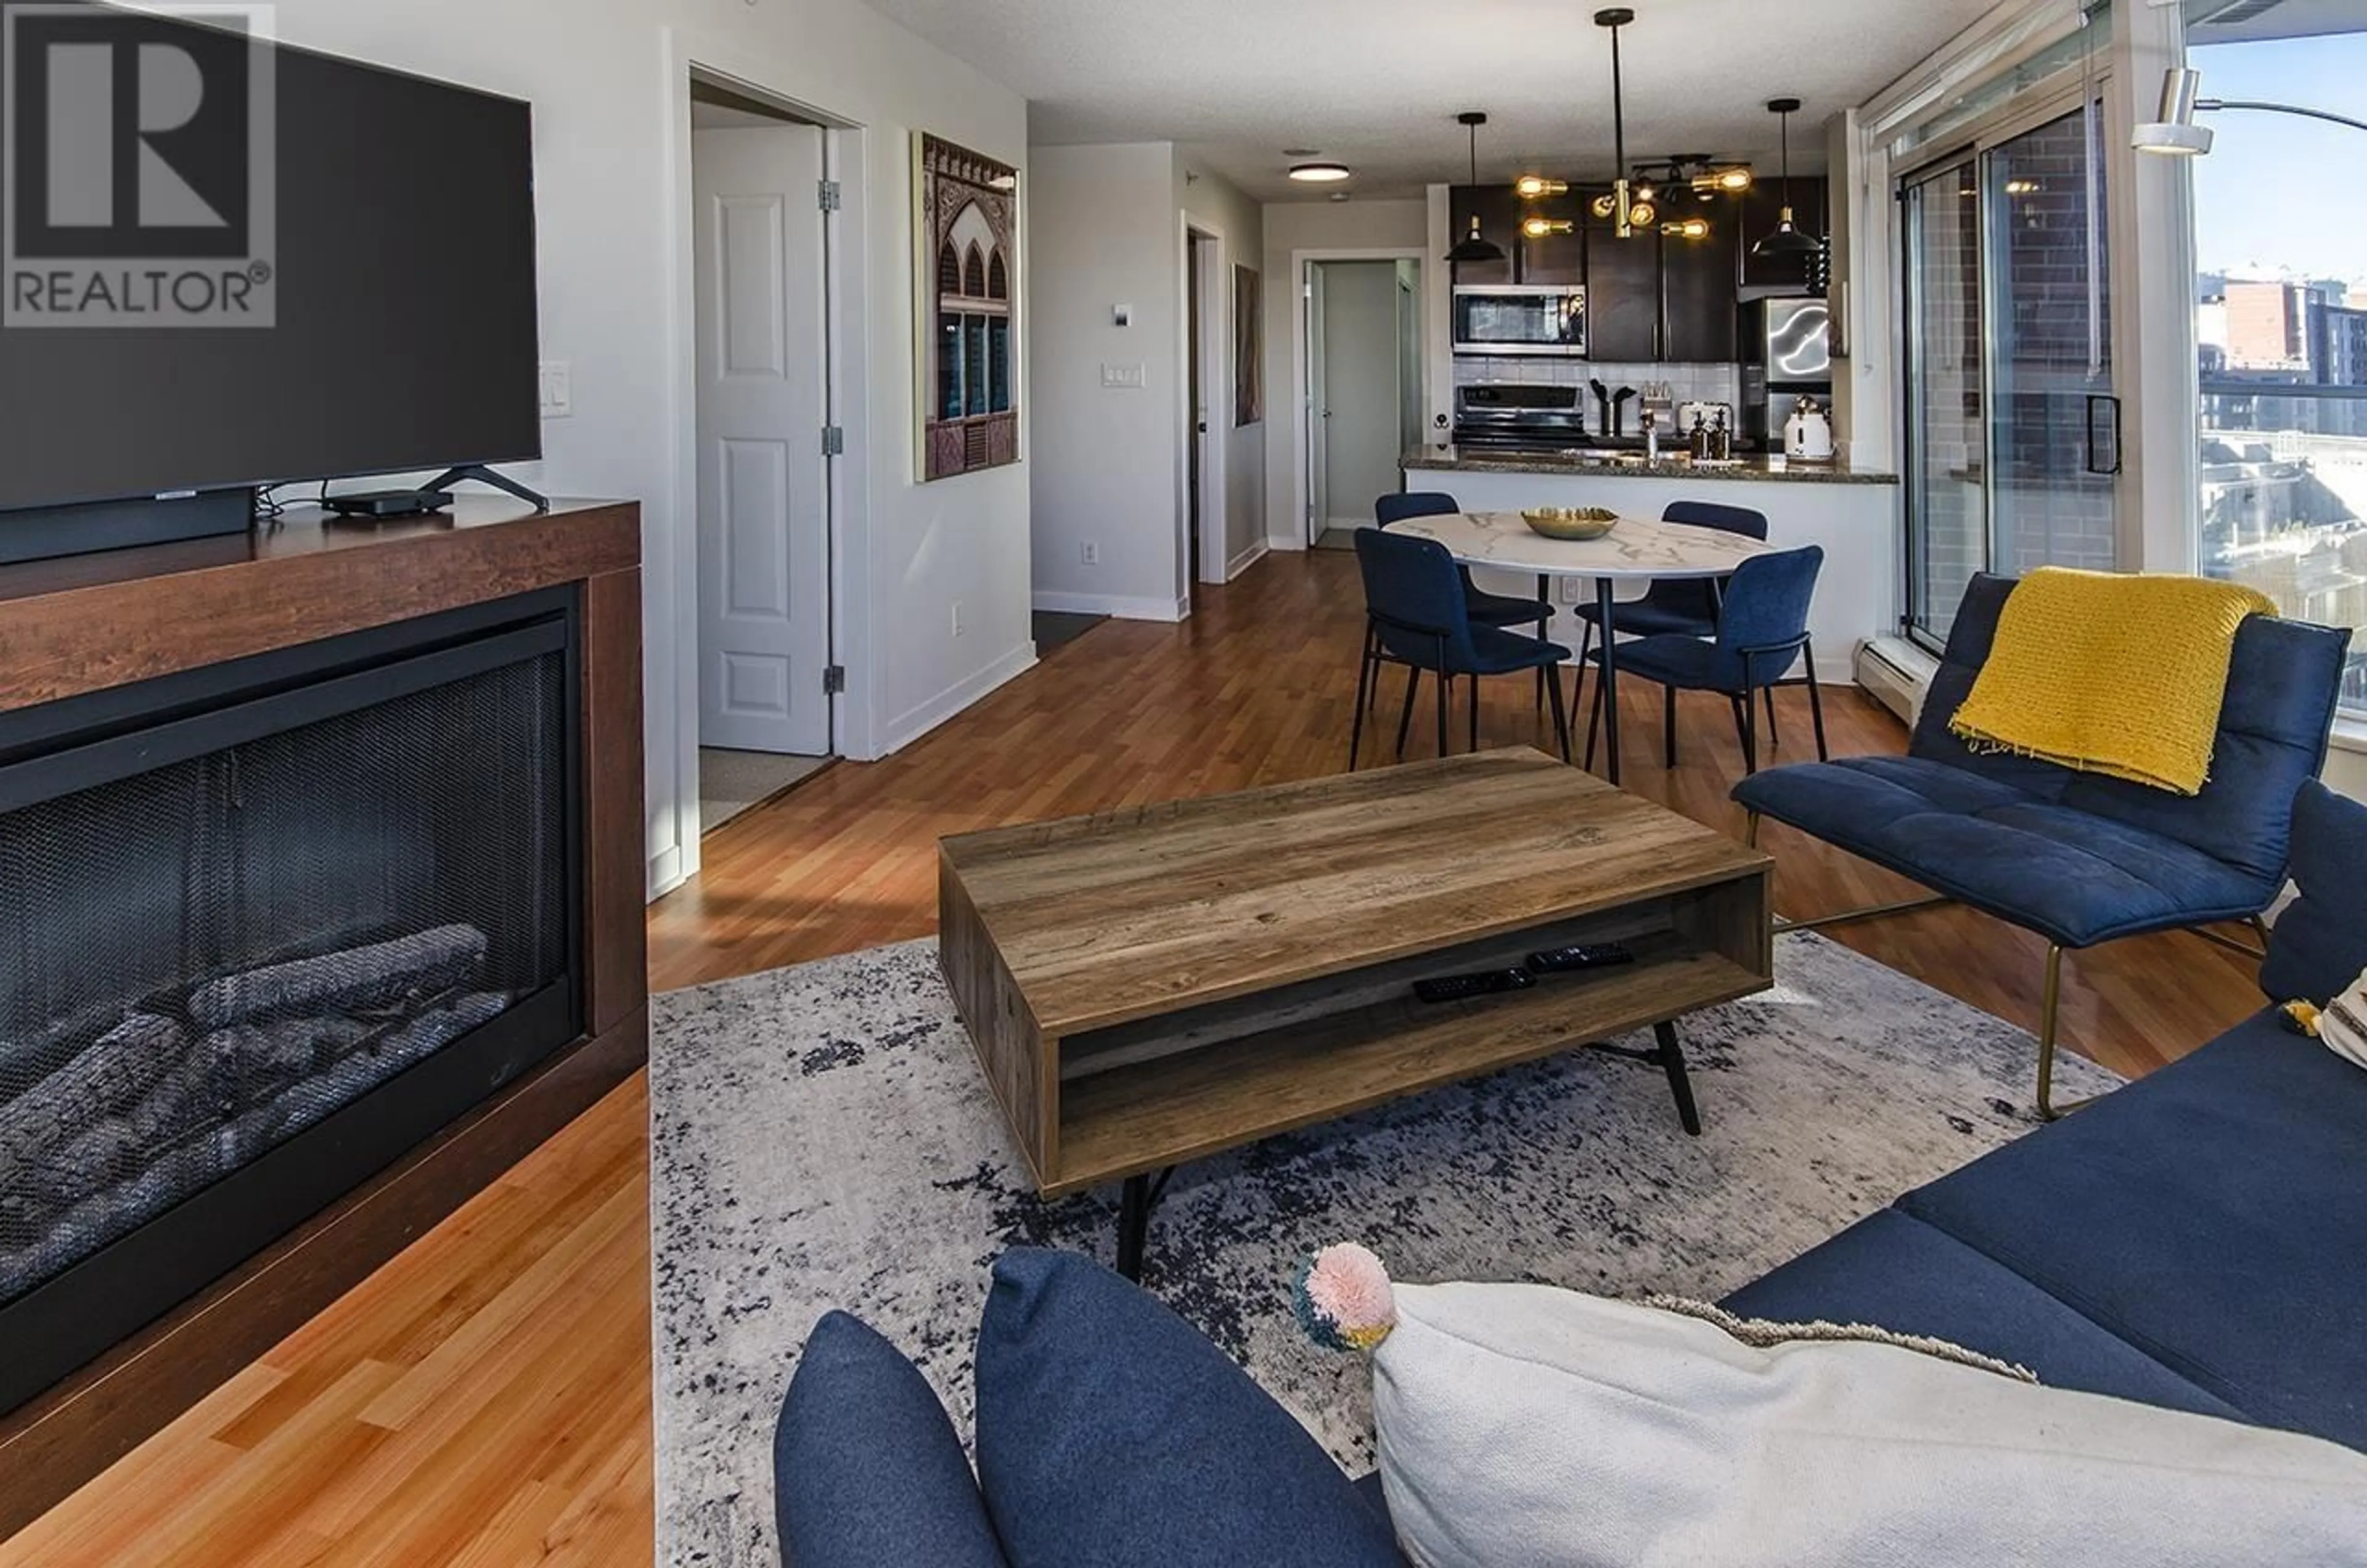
<point x="821" y="1138"/>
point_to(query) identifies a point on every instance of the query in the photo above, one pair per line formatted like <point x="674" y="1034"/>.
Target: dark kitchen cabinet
<point x="1762" y="209"/>
<point x="1623" y="295"/>
<point x="1697" y="303"/>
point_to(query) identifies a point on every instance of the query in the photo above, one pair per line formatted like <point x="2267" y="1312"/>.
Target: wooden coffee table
<point x="1157" y="985"/>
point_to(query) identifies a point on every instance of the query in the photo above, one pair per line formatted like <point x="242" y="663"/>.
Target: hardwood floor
<point x="484" y="1399"/>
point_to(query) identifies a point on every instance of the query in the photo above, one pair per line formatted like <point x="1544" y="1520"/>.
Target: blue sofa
<point x="2079" y="858"/>
<point x="2193" y="1241"/>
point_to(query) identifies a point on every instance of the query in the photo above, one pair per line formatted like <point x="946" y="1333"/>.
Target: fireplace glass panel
<point x="203" y="959"/>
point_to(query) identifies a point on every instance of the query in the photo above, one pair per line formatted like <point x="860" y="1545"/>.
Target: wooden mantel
<point x="91" y="623"/>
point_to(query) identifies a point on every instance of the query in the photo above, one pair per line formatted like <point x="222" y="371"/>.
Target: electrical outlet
<point x="558" y="395"/>
<point x="957" y="618"/>
<point x="1093" y="552"/>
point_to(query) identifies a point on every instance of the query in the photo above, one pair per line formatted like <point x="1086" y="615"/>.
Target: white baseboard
<point x="666" y="872"/>
<point x="918" y="721"/>
<point x="1125" y="609"/>
<point x="1247" y="558"/>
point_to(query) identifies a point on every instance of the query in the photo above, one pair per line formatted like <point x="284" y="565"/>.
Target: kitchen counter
<point x="1482" y="460"/>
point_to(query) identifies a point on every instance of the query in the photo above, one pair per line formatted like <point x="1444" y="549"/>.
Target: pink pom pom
<point x="1348" y="1288"/>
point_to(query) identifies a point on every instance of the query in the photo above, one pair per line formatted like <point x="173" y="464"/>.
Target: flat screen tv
<point x="391" y="219"/>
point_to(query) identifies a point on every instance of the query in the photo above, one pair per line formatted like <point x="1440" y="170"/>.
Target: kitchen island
<point x="1853" y="514"/>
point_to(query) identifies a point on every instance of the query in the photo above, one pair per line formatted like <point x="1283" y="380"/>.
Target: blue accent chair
<point x="1416" y="615"/>
<point x="2079" y="858"/>
<point x="1762" y="636"/>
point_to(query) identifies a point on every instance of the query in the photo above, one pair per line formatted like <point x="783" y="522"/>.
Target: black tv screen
<point x="395" y="234"/>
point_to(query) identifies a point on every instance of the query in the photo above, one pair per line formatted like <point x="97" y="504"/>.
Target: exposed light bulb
<point x="1643" y="213"/>
<point x="1531" y="186"/>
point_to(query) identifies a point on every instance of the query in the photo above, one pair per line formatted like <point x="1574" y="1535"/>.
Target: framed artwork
<point x="1249" y="347"/>
<point x="966" y="226"/>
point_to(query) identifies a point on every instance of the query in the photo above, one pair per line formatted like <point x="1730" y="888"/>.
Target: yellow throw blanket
<point x="2110" y="675"/>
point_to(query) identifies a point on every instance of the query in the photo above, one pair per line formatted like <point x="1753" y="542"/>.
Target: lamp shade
<point x="1788" y="241"/>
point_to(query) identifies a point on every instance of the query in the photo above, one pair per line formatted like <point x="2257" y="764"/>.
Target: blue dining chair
<point x="1762" y="634"/>
<point x="1487" y="609"/>
<point x="1416" y="615"/>
<point x="1680" y="606"/>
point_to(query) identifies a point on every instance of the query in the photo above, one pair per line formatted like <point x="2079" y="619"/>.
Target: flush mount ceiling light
<point x="1789" y="239"/>
<point x="1319" y="174"/>
<point x="1475" y="246"/>
<point x="2175" y="132"/>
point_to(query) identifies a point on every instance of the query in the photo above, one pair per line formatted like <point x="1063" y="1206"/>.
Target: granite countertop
<point x="1758" y="469"/>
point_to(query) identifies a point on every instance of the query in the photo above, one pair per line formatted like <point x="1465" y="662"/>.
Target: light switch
<point x="1129" y="375"/>
<point x="557" y="390"/>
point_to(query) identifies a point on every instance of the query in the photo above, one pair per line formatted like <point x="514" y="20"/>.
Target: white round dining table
<point x="1636" y="550"/>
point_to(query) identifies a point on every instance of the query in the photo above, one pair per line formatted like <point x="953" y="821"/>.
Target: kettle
<point x="1808" y="435"/>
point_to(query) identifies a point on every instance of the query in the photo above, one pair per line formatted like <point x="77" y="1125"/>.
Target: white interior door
<point x="1362" y="432"/>
<point x="1318" y="414"/>
<point x="764" y="521"/>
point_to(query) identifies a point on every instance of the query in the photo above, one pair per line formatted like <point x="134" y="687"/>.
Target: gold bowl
<point x="1578" y="522"/>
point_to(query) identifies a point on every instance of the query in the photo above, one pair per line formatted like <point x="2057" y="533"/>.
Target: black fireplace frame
<point x="80" y="742"/>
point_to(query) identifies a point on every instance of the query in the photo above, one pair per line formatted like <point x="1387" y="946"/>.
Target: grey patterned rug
<point x="821" y="1138"/>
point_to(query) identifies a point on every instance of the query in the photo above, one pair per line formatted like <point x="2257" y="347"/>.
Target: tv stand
<point x="387" y="505"/>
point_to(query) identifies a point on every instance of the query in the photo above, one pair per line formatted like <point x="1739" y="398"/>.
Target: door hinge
<point x="829" y="195"/>
<point x="833" y="441"/>
<point x="833" y="680"/>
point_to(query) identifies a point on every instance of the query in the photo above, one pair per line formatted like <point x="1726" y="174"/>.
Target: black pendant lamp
<point x="1475" y="246"/>
<point x="1789" y="239"/>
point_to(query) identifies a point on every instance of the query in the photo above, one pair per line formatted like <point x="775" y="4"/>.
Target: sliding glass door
<point x="2013" y="430"/>
<point x="1947" y="443"/>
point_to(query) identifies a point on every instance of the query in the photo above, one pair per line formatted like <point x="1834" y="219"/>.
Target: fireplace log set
<point x="134" y="1110"/>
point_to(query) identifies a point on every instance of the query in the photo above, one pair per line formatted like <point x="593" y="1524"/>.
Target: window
<point x="2280" y="310"/>
<point x="2011" y="409"/>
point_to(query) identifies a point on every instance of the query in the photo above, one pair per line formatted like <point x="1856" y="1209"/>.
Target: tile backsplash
<point x="1691" y="383"/>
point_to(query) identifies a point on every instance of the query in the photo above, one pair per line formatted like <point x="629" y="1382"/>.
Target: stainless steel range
<point x="1518" y="417"/>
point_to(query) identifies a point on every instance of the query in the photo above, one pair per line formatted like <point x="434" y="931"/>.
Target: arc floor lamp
<point x="2181" y="100"/>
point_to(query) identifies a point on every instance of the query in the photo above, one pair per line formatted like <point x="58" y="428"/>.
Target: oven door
<point x="1544" y="319"/>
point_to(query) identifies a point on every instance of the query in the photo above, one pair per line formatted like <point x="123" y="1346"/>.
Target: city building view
<point x="2282" y="319"/>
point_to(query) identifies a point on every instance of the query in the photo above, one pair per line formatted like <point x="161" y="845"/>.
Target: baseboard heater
<point x="1896" y="673"/>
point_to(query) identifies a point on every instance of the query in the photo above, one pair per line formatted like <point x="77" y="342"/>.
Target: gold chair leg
<point x="2050" y="1008"/>
<point x="1750" y="829"/>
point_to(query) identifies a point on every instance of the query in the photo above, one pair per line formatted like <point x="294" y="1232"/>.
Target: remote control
<point x="1562" y="960"/>
<point x="1463" y="987"/>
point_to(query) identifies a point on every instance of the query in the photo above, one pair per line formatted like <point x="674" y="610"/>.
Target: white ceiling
<point x="1377" y="84"/>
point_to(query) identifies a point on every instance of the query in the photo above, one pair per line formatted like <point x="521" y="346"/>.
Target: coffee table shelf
<point x="1193" y="1104"/>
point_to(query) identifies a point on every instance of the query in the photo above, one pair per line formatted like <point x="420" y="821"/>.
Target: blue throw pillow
<point x="1111" y="1434"/>
<point x="2319" y="945"/>
<point x="866" y="1469"/>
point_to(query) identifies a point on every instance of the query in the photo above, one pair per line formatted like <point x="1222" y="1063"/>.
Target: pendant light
<point x="1626" y="208"/>
<point x="1789" y="239"/>
<point x="1475" y="246"/>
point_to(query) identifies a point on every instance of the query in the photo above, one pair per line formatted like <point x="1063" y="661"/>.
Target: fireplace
<point x="322" y="856"/>
<point x="264" y="925"/>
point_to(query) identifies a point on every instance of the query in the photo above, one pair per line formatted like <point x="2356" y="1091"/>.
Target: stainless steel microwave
<point x="1540" y="319"/>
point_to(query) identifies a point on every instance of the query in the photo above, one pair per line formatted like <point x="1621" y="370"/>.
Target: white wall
<point x="608" y="82"/>
<point x="1211" y="203"/>
<point x="1314" y="226"/>
<point x="1102" y="232"/>
<point x="1106" y="227"/>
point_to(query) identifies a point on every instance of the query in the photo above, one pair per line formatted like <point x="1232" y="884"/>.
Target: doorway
<point x="759" y="253"/>
<point x="1207" y="542"/>
<point x="1364" y="392"/>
